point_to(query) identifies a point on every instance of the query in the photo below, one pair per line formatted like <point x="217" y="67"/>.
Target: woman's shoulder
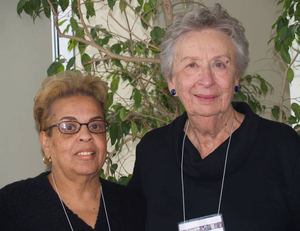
<point x="20" y="200"/>
<point x="277" y="130"/>
<point x="116" y="191"/>
<point x="23" y="188"/>
<point x="162" y="134"/>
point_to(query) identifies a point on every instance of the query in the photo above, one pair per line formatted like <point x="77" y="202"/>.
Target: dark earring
<point x="236" y="88"/>
<point x="173" y="92"/>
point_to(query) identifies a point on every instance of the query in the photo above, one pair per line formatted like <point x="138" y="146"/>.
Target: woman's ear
<point x="44" y="140"/>
<point x="170" y="83"/>
<point x="237" y="79"/>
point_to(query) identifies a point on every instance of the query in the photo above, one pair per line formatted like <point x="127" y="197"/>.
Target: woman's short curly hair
<point x="215" y="18"/>
<point x="63" y="85"/>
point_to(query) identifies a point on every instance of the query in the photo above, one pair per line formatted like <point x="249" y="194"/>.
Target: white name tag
<point x="212" y="222"/>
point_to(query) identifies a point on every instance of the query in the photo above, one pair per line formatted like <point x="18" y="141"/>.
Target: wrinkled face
<point x="82" y="153"/>
<point x="204" y="73"/>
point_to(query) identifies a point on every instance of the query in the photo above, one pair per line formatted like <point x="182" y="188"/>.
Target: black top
<point x="32" y="204"/>
<point x="261" y="188"/>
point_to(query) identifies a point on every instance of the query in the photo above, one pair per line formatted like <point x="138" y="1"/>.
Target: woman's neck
<point x="82" y="198"/>
<point x="87" y="188"/>
<point x="207" y="133"/>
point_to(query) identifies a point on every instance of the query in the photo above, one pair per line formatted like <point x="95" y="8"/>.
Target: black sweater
<point x="262" y="184"/>
<point x="32" y="204"/>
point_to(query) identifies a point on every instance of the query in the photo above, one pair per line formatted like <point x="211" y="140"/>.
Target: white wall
<point x="25" y="56"/>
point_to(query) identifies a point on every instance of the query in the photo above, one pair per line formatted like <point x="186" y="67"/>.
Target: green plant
<point x="124" y="53"/>
<point x="125" y="57"/>
<point x="286" y="43"/>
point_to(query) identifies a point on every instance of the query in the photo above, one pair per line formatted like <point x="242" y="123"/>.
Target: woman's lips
<point x="84" y="153"/>
<point x="206" y="98"/>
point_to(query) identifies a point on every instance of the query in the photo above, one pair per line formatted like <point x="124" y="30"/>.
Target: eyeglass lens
<point x="71" y="127"/>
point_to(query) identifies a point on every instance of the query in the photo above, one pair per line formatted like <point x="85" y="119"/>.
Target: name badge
<point x="212" y="222"/>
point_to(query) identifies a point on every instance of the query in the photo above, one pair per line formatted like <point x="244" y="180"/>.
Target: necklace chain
<point x="62" y="204"/>
<point x="224" y="170"/>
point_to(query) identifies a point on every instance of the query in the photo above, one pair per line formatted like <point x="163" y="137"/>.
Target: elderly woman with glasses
<point x="69" y="112"/>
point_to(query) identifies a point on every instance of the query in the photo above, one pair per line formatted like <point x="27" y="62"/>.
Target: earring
<point x="236" y="88"/>
<point x="47" y="161"/>
<point x="173" y="92"/>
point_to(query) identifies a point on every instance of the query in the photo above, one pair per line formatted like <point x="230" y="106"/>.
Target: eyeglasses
<point x="72" y="127"/>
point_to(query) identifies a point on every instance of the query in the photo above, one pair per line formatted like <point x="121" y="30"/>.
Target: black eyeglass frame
<point x="80" y="125"/>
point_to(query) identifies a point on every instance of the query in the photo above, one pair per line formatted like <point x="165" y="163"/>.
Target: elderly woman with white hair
<point x="218" y="165"/>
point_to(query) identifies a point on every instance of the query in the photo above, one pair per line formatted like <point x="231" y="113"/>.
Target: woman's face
<point x="82" y="153"/>
<point x="204" y="73"/>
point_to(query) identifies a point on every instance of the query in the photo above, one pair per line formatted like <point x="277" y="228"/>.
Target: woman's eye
<point x="219" y="65"/>
<point x="95" y="126"/>
<point x="68" y="126"/>
<point x="192" y="65"/>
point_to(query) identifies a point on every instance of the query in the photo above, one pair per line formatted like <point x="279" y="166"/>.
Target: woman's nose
<point x="84" y="134"/>
<point x="206" y="77"/>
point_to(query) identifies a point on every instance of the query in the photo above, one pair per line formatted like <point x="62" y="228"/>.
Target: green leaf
<point x="134" y="130"/>
<point x="115" y="83"/>
<point x="111" y="4"/>
<point x="296" y="109"/>
<point x="94" y="32"/>
<point x="112" y="179"/>
<point x="64" y="4"/>
<point x="124" y="180"/>
<point x="290" y="75"/>
<point x="75" y="8"/>
<point x="81" y="47"/>
<point x="55" y="68"/>
<point x="70" y="63"/>
<point x="84" y="59"/>
<point x="283" y="34"/>
<point x="54" y="4"/>
<point x="110" y="99"/>
<point x="72" y="44"/>
<point x="113" y="168"/>
<point x="275" y="112"/>
<point x="80" y="33"/>
<point x="122" y="6"/>
<point x="90" y="10"/>
<point x="62" y="22"/>
<point x="148" y="16"/>
<point x="20" y="6"/>
<point x="141" y="2"/>
<point x="137" y="98"/>
<point x="74" y="24"/>
<point x="113" y="133"/>
<point x="35" y="5"/>
<point x="156" y="33"/>
<point x="123" y="113"/>
<point x="138" y="9"/>
<point x="28" y="9"/>
<point x="147" y="7"/>
<point x="285" y="55"/>
<point x="116" y="48"/>
<point x="263" y="86"/>
<point x="292" y="120"/>
<point x="46" y="7"/>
